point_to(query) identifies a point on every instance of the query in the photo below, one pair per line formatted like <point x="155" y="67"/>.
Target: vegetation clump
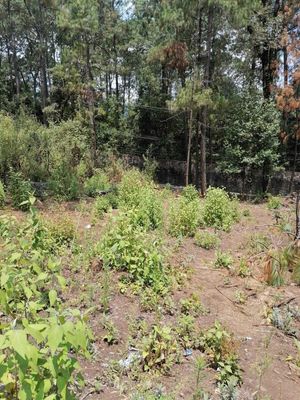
<point x="19" y="189"/>
<point x="2" y="195"/>
<point x="126" y="247"/>
<point x="207" y="240"/>
<point x="96" y="184"/>
<point x="184" y="216"/>
<point x="219" y="210"/>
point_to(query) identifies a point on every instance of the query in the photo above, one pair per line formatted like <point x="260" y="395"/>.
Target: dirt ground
<point x="265" y="352"/>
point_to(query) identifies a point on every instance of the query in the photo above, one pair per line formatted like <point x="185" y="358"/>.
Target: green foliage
<point x="61" y="231"/>
<point x="274" y="202"/>
<point x="159" y="349"/>
<point x="37" y="336"/>
<point x="2" y="195"/>
<point x="96" y="183"/>
<point x="219" y="346"/>
<point x="138" y="194"/>
<point x="186" y="331"/>
<point x="190" y="193"/>
<point x="219" y="210"/>
<point x="223" y="260"/>
<point x="184" y="216"/>
<point x="101" y="206"/>
<point x="126" y="247"/>
<point x="192" y="306"/>
<point x="207" y="240"/>
<point x="19" y="189"/>
<point x="35" y="360"/>
<point x="251" y="140"/>
<point x="243" y="269"/>
<point x="64" y="183"/>
<point x="111" y="333"/>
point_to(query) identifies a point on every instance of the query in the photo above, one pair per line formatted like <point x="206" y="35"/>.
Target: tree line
<point x="212" y="82"/>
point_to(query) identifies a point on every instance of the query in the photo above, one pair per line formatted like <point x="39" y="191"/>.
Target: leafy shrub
<point x="192" y="306"/>
<point x="219" y="210"/>
<point x="223" y="260"/>
<point x="219" y="346"/>
<point x="101" y="206"/>
<point x="274" y="202"/>
<point x="35" y="357"/>
<point x="184" y="217"/>
<point x="207" y="240"/>
<point x="61" y="231"/>
<point x="139" y="194"/>
<point x="190" y="193"/>
<point x="95" y="184"/>
<point x="130" y="187"/>
<point x="20" y="190"/>
<point x="2" y="195"/>
<point x="186" y="331"/>
<point x="127" y="248"/>
<point x="64" y="183"/>
<point x="159" y="349"/>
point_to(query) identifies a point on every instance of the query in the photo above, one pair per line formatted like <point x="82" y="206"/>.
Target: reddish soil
<point x="258" y="340"/>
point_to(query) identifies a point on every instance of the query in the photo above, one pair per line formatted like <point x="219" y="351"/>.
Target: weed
<point x="97" y="183"/>
<point x="283" y="318"/>
<point x="223" y="260"/>
<point x="101" y="206"/>
<point x="207" y="240"/>
<point x="61" y="232"/>
<point x="200" y="394"/>
<point x="126" y="248"/>
<point x="186" y="331"/>
<point x="274" y="202"/>
<point x="243" y="269"/>
<point x="219" y="210"/>
<point x="111" y="333"/>
<point x="192" y="306"/>
<point x="240" y="297"/>
<point x="159" y="349"/>
<point x="138" y="194"/>
<point x="184" y="217"/>
<point x="105" y="290"/>
<point x="219" y="346"/>
<point x="229" y="389"/>
<point x="246" y="212"/>
<point x="190" y="193"/>
<point x="19" y="189"/>
<point x="259" y="243"/>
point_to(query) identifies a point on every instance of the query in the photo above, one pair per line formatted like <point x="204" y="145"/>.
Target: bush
<point x="2" y="195"/>
<point x="130" y="187"/>
<point x="101" y="206"/>
<point x="207" y="240"/>
<point x="190" y="193"/>
<point x="223" y="260"/>
<point x="20" y="190"/>
<point x="127" y="248"/>
<point x="274" y="202"/>
<point x="219" y="210"/>
<point x="64" y="183"/>
<point x="159" y="349"/>
<point x="139" y="194"/>
<point x="61" y="232"/>
<point x="184" y="217"/>
<point x="95" y="184"/>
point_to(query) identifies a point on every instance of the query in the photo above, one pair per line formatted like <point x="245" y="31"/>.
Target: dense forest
<point x="213" y="83"/>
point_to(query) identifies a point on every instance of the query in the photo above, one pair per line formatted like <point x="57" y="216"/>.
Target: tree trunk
<point x="203" y="184"/>
<point x="207" y="82"/>
<point x="188" y="158"/>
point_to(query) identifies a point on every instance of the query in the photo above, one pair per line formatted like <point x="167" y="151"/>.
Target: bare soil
<point x="265" y="352"/>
